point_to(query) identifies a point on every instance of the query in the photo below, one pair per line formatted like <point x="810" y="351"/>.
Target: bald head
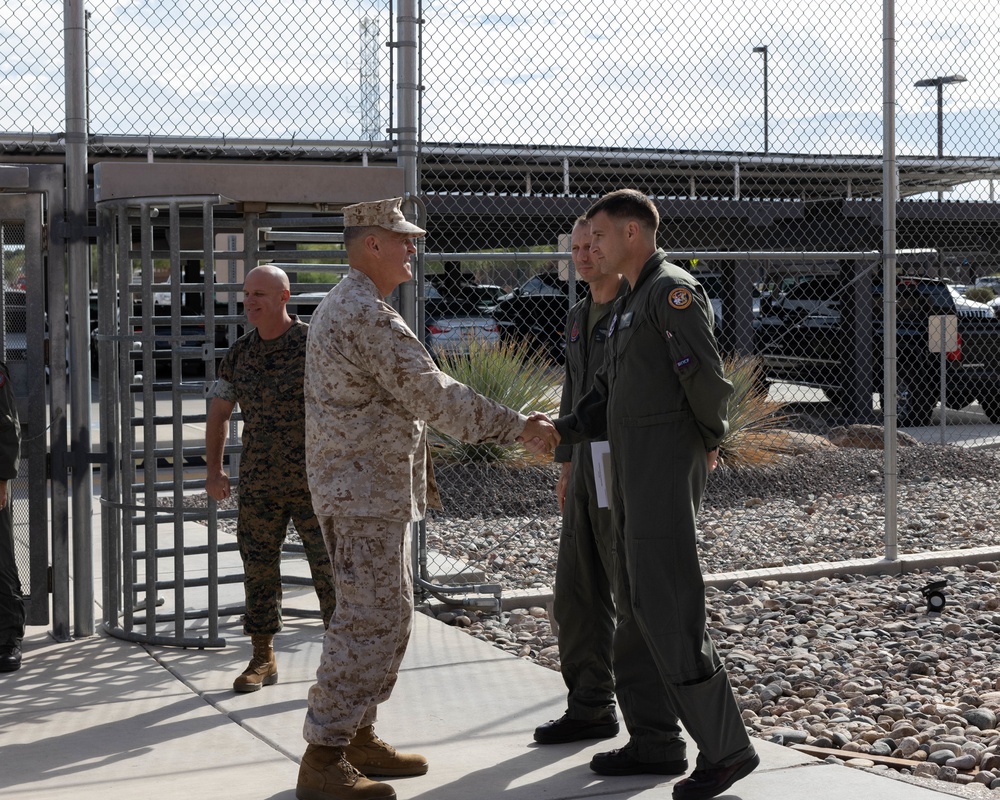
<point x="267" y="275"/>
<point x="265" y="292"/>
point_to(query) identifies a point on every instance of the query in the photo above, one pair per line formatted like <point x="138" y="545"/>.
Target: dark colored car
<point x="535" y="313"/>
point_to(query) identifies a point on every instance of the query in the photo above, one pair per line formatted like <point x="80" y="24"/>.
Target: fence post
<point x="79" y="309"/>
<point x="889" y="182"/>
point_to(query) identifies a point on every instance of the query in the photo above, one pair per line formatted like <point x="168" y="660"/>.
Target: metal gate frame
<point x="146" y="551"/>
<point x="40" y="389"/>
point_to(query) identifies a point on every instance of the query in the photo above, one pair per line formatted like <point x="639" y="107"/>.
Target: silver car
<point x="452" y="336"/>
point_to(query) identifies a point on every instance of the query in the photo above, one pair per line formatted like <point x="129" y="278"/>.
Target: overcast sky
<point x="672" y="75"/>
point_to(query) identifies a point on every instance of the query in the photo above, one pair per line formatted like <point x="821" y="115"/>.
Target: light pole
<point x="763" y="49"/>
<point x="939" y="83"/>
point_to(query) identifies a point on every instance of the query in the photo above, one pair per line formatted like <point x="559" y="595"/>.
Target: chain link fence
<point x="757" y="129"/>
<point x="251" y="69"/>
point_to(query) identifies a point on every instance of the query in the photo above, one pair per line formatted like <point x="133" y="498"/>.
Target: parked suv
<point x="535" y="313"/>
<point x="803" y="339"/>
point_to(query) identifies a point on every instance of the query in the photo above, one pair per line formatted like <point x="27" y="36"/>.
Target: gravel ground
<point x="849" y="662"/>
<point x="822" y="506"/>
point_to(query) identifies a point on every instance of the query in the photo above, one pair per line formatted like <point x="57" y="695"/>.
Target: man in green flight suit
<point x="661" y="398"/>
<point x="583" y="607"/>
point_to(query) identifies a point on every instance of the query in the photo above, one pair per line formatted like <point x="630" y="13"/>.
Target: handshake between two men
<point x="539" y="435"/>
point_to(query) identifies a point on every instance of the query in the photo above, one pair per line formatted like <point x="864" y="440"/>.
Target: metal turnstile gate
<point x="170" y="272"/>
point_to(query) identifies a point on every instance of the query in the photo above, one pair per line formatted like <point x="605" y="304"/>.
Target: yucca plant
<point x="756" y="434"/>
<point x="510" y="373"/>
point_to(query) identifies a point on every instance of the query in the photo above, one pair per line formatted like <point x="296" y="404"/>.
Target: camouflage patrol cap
<point x="380" y="214"/>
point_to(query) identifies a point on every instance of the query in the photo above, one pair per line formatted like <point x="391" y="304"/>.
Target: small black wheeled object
<point x="934" y="595"/>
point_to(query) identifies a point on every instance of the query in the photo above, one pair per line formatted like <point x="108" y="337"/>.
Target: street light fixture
<point x="939" y="83"/>
<point x="763" y="49"/>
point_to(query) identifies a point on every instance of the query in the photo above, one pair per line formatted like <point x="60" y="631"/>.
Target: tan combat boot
<point x="325" y="774"/>
<point x="262" y="669"/>
<point x="374" y="757"/>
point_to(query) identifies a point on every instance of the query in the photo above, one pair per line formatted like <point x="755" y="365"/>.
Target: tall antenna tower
<point x="371" y="89"/>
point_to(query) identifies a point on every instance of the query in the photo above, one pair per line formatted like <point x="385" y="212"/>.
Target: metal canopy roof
<point x="506" y="170"/>
<point x="525" y="170"/>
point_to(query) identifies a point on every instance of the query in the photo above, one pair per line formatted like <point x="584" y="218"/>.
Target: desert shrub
<point x="757" y="435"/>
<point x="509" y="373"/>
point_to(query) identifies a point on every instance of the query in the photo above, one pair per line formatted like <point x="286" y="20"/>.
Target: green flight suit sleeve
<point x="684" y="315"/>
<point x="589" y="419"/>
<point x="564" y="451"/>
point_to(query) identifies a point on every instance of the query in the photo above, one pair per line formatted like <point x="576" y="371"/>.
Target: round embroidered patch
<point x="680" y="297"/>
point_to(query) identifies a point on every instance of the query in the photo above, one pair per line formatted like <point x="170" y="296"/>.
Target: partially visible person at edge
<point x="661" y="398"/>
<point x="262" y="373"/>
<point x="583" y="607"/>
<point x="371" y="391"/>
<point x="11" y="600"/>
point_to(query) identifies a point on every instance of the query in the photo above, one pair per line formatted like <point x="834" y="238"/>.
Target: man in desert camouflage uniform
<point x="371" y="391"/>
<point x="262" y="372"/>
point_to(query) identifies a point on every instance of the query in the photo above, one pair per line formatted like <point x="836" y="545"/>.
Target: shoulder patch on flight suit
<point x="679" y="298"/>
<point x="574" y="334"/>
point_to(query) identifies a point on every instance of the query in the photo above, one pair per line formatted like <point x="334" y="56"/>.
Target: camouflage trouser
<point x="260" y="531"/>
<point x="366" y="640"/>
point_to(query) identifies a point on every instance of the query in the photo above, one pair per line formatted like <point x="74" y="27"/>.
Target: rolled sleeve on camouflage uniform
<point x="225" y="390"/>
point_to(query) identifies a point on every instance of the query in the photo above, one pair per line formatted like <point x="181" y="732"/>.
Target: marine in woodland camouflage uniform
<point x="265" y="377"/>
<point x="371" y="391"/>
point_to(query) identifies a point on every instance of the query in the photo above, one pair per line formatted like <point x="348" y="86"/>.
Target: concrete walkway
<point x="101" y="719"/>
